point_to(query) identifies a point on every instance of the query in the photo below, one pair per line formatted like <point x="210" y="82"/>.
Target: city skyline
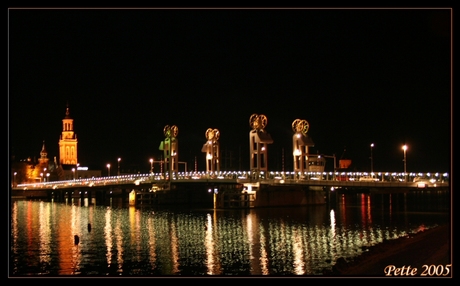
<point x="357" y="76"/>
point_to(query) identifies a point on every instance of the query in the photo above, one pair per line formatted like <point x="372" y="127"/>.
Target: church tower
<point x="43" y="161"/>
<point x="68" y="141"/>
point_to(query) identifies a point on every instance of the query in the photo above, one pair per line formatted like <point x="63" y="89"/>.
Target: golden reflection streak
<point x="44" y="232"/>
<point x="209" y="245"/>
<point x="316" y="242"/>
<point x="30" y="226"/>
<point x="283" y="244"/>
<point x="108" y="236"/>
<point x="251" y="230"/>
<point x="139" y="235"/>
<point x="333" y="236"/>
<point x="134" y="219"/>
<point x="263" y="252"/>
<point x="152" y="242"/>
<point x="75" y="222"/>
<point x="216" y="237"/>
<point x="308" y="251"/>
<point x="14" y="228"/>
<point x="64" y="243"/>
<point x="174" y="248"/>
<point x="297" y="248"/>
<point x="118" y="232"/>
<point x="250" y="238"/>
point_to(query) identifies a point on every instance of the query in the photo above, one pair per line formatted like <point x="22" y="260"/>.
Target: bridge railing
<point x="273" y="177"/>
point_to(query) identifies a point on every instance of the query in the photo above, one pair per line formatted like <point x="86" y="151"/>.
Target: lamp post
<point x="119" y="166"/>
<point x="151" y="166"/>
<point x="372" y="161"/>
<point x="404" y="147"/>
<point x="73" y="171"/>
<point x="47" y="177"/>
<point x="14" y="179"/>
<point x="108" y="170"/>
<point x="76" y="171"/>
<point x="44" y="171"/>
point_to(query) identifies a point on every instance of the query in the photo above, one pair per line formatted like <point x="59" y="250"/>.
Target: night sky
<point x="358" y="76"/>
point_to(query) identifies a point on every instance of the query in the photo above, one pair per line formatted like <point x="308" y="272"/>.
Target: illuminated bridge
<point x="329" y="179"/>
<point x="231" y="189"/>
<point x="306" y="184"/>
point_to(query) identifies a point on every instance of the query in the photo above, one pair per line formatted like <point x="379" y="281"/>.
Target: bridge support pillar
<point x="61" y="195"/>
<point x="103" y="195"/>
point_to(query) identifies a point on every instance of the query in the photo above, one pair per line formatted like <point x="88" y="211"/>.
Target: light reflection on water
<point x="130" y="241"/>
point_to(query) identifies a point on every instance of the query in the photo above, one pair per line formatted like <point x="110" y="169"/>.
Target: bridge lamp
<point x="404" y="147"/>
<point x="372" y="161"/>
<point x="108" y="170"/>
<point x="47" y="177"/>
<point x="14" y="178"/>
<point x="151" y="166"/>
<point x="73" y="173"/>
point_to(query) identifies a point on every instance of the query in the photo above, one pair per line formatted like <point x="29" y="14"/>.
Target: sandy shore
<point x="427" y="253"/>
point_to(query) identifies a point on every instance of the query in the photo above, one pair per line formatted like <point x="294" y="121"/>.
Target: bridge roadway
<point x="353" y="180"/>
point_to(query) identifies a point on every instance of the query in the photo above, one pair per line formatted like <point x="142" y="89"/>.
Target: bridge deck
<point x="143" y="182"/>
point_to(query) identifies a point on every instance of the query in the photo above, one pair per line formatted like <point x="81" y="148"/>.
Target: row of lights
<point x="404" y="147"/>
<point x="119" y="159"/>
<point x="108" y="168"/>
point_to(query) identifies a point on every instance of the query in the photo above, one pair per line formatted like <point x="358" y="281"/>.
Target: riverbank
<point x="427" y="253"/>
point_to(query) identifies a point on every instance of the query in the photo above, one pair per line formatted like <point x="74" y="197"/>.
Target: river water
<point x="115" y="239"/>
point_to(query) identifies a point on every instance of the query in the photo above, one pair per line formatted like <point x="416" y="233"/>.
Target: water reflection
<point x="129" y="241"/>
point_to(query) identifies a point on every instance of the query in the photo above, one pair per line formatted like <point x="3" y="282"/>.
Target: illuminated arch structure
<point x="211" y="148"/>
<point x="258" y="140"/>
<point x="170" y="148"/>
<point x="303" y="161"/>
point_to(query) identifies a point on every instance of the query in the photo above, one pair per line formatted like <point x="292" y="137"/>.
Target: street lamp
<point x="405" y="162"/>
<point x="14" y="179"/>
<point x="76" y="171"/>
<point x="108" y="170"/>
<point x="151" y="166"/>
<point x="372" y="161"/>
<point x="47" y="177"/>
<point x="73" y="171"/>
<point x="119" y="166"/>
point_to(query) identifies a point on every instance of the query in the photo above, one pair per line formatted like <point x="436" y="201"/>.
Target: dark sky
<point x="358" y="76"/>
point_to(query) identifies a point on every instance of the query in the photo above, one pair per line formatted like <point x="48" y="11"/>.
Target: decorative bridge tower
<point x="170" y="148"/>
<point x="211" y="148"/>
<point x="303" y="160"/>
<point x="301" y="141"/>
<point x="258" y="140"/>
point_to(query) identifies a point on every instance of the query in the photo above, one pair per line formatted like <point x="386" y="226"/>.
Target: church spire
<point x="43" y="153"/>
<point x="67" y="111"/>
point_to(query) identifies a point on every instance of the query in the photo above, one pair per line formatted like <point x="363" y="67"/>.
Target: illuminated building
<point x="68" y="142"/>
